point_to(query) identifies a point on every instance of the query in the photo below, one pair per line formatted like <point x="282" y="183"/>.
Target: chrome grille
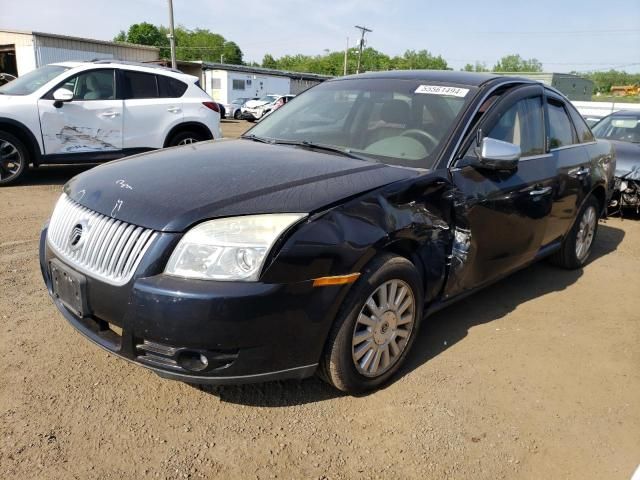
<point x="100" y="246"/>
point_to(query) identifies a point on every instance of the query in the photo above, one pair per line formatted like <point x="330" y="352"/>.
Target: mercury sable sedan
<point x="320" y="240"/>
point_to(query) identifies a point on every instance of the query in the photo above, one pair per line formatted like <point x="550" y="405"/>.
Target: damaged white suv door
<point x="91" y="122"/>
<point x="90" y="112"/>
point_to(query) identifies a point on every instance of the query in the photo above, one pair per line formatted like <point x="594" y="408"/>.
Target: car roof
<point x="473" y="79"/>
<point x="634" y="113"/>
<point x="141" y="67"/>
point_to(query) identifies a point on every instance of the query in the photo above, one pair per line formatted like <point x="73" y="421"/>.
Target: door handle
<point x="580" y="173"/>
<point x="109" y="114"/>
<point x="173" y="109"/>
<point x="540" y="191"/>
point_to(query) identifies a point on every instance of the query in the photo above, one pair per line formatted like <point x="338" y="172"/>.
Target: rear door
<point x="91" y="122"/>
<point x="573" y="167"/>
<point x="501" y="217"/>
<point x="151" y="108"/>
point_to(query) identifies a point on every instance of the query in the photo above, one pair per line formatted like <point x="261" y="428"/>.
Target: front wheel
<point x="376" y="326"/>
<point x="237" y="115"/>
<point x="577" y="245"/>
<point x="185" y="138"/>
<point x="14" y="159"/>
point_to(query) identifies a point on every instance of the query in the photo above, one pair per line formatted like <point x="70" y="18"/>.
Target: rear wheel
<point x="14" y="159"/>
<point x="185" y="138"/>
<point x="375" y="327"/>
<point x="577" y="245"/>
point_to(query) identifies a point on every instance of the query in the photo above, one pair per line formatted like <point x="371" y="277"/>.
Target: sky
<point x="565" y="35"/>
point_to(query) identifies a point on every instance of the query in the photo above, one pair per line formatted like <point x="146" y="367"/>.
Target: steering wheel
<point x="421" y="134"/>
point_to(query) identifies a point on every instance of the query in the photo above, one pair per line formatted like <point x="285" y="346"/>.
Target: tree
<point x="269" y="62"/>
<point x="421" y="60"/>
<point x="198" y="44"/>
<point x="478" y="67"/>
<point x="515" y="63"/>
<point x="146" y="34"/>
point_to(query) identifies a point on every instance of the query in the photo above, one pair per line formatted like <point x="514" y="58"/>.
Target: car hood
<point x="172" y="189"/>
<point x="255" y="103"/>
<point x="627" y="159"/>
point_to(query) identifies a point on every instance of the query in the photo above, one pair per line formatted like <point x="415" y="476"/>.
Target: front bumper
<point x="247" y="331"/>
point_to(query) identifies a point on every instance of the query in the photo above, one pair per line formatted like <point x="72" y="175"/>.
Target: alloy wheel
<point x="187" y="141"/>
<point x="383" y="328"/>
<point x="586" y="231"/>
<point x="10" y="160"/>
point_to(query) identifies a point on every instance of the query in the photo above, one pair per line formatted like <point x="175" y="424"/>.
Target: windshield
<point x="30" y="82"/>
<point x="399" y="122"/>
<point x="619" y="127"/>
<point x="268" y="98"/>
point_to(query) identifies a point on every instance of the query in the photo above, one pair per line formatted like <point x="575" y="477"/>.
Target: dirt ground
<point x="537" y="377"/>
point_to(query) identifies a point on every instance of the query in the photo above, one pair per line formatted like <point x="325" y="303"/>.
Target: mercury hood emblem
<point x="78" y="234"/>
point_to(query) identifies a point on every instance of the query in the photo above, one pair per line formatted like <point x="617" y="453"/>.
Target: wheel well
<point x="188" y="127"/>
<point x="407" y="248"/>
<point x="23" y="134"/>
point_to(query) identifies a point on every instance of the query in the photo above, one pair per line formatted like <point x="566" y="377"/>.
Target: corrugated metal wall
<point x="53" y="49"/>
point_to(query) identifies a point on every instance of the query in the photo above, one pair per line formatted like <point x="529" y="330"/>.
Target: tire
<point x="185" y="138"/>
<point x="14" y="159"/>
<point x="577" y="245"/>
<point x="237" y="115"/>
<point x="352" y="368"/>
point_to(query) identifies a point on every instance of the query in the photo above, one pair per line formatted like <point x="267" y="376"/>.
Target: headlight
<point x="229" y="249"/>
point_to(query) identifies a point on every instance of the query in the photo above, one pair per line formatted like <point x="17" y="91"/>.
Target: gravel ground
<point x="536" y="377"/>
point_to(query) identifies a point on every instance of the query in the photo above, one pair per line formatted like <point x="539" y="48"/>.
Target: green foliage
<point x="198" y="44"/>
<point x="332" y="63"/>
<point x="146" y="34"/>
<point x="603" y="81"/>
<point x="515" y="63"/>
<point x="478" y="67"/>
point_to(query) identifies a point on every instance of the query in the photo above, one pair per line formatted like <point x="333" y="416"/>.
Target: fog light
<point x="192" y="361"/>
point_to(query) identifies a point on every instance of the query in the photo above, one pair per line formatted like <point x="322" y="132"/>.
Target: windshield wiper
<point x="256" y="138"/>
<point x="320" y="146"/>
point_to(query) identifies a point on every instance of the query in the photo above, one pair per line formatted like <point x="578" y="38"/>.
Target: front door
<point x="91" y="122"/>
<point x="501" y="217"/>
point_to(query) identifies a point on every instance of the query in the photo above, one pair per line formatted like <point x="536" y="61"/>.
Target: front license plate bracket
<point x="69" y="287"/>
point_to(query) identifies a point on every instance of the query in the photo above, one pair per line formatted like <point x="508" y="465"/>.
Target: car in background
<point x="622" y="129"/>
<point x="319" y="244"/>
<point x="89" y="112"/>
<point x="592" y="119"/>
<point x="235" y="107"/>
<point x="6" y="78"/>
<point x="254" y="110"/>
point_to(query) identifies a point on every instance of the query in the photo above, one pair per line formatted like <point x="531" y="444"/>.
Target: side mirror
<point x="62" y="95"/>
<point x="497" y="155"/>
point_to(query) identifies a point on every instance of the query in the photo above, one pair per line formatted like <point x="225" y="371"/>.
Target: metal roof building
<point x="573" y="86"/>
<point x="21" y="52"/>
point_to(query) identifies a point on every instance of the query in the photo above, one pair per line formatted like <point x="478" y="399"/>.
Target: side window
<point x="92" y="85"/>
<point x="560" y="130"/>
<point x="170" y="87"/>
<point x="139" y="85"/>
<point x="583" y="131"/>
<point x="522" y="125"/>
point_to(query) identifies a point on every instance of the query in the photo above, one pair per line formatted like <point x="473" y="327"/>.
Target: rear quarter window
<point x="583" y="131"/>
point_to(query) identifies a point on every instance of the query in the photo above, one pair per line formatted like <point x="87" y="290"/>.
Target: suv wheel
<point x="376" y="326"/>
<point x="185" y="138"/>
<point x="14" y="158"/>
<point x="577" y="245"/>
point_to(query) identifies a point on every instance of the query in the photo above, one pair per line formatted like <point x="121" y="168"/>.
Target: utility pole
<point x="346" y="51"/>
<point x="363" y="30"/>
<point x="221" y="58"/>
<point x="172" y="37"/>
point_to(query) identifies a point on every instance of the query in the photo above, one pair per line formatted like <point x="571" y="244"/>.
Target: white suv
<point x="75" y="112"/>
